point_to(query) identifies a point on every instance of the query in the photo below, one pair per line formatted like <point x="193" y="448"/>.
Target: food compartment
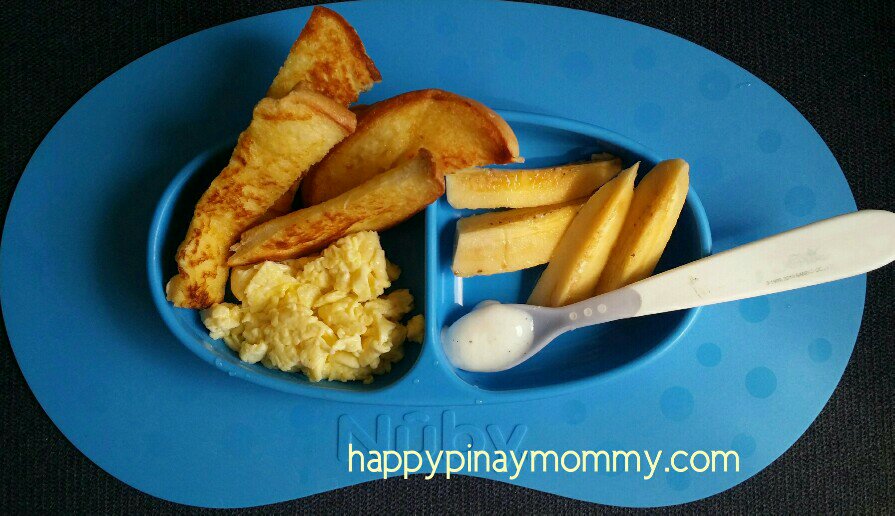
<point x="586" y="353"/>
<point x="403" y="245"/>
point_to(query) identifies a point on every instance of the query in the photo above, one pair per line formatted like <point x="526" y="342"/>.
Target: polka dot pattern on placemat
<point x="241" y="438"/>
<point x="574" y="412"/>
<point x="453" y="67"/>
<point x="755" y="310"/>
<point x="446" y="25"/>
<point x="678" y="481"/>
<point x="799" y="201"/>
<point x="577" y="66"/>
<point x="513" y="48"/>
<point x="649" y="117"/>
<point x="644" y="58"/>
<point x="744" y="445"/>
<point x="709" y="354"/>
<point x="677" y="403"/>
<point x="761" y="382"/>
<point x="820" y="350"/>
<point x="298" y="417"/>
<point x="714" y="85"/>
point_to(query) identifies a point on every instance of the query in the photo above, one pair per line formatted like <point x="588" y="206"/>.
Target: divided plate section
<point x="587" y="353"/>
<point x="404" y="246"/>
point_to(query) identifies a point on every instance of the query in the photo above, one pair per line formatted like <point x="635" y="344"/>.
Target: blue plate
<point x="574" y="361"/>
<point x="748" y="376"/>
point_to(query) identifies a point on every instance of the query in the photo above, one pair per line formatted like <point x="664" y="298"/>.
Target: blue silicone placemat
<point x="751" y="376"/>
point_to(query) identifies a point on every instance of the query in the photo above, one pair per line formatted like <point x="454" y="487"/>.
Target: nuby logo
<point x="418" y="431"/>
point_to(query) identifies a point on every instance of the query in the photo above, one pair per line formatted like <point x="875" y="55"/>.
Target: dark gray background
<point x="832" y="60"/>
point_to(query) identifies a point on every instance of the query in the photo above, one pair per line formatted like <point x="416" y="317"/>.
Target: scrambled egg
<point x="416" y="327"/>
<point x="324" y="315"/>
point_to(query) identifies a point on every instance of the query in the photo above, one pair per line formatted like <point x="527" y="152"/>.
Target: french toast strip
<point x="285" y="137"/>
<point x="329" y="58"/>
<point x="377" y="204"/>
<point x="459" y="132"/>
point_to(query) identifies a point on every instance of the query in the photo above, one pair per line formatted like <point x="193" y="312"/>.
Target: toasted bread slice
<point x="281" y="206"/>
<point x="459" y="132"/>
<point x="359" y="110"/>
<point x="286" y="136"/>
<point x="328" y="57"/>
<point x="378" y="204"/>
<point x="284" y="203"/>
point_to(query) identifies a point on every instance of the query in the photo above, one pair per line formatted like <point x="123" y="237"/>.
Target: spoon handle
<point x="829" y="250"/>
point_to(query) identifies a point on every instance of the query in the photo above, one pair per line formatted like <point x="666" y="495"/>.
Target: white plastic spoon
<point x="495" y="337"/>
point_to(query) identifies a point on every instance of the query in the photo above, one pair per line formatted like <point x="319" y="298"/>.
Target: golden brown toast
<point x="378" y="204"/>
<point x="284" y="203"/>
<point x="329" y="58"/>
<point x="286" y="136"/>
<point x="459" y="132"/>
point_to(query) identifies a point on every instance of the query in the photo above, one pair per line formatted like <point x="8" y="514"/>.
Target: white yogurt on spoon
<point x="489" y="338"/>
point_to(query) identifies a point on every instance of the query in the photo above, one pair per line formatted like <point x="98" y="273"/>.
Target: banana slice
<point x="495" y="188"/>
<point x="657" y="204"/>
<point x="511" y="240"/>
<point x="584" y="249"/>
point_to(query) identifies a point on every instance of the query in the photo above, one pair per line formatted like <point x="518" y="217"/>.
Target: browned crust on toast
<point x="326" y="106"/>
<point x="263" y="165"/>
<point x="331" y="72"/>
<point x="357" y="46"/>
<point x="377" y="205"/>
<point x="319" y="184"/>
<point x="502" y="132"/>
